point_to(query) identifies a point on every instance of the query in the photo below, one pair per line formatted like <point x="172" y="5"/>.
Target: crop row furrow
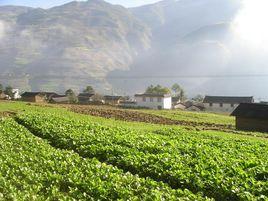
<point x="31" y="169"/>
<point x="222" y="168"/>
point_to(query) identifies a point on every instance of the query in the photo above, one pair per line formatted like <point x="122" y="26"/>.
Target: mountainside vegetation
<point x="122" y="50"/>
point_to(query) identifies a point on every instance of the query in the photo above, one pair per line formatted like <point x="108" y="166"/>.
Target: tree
<point x="8" y="91"/>
<point x="89" y="89"/>
<point x="198" y="98"/>
<point x="71" y="96"/>
<point x="178" y="92"/>
<point x="182" y="95"/>
<point x="1" y="88"/>
<point x="158" y="89"/>
<point x="176" y="88"/>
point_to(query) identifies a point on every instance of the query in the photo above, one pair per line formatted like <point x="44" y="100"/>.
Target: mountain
<point x="68" y="46"/>
<point x="120" y="50"/>
<point x="189" y="38"/>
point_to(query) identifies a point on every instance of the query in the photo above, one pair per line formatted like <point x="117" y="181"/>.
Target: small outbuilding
<point x="3" y="96"/>
<point x="60" y="99"/>
<point x="113" y="100"/>
<point x="251" y="117"/>
<point x="37" y="97"/>
<point x="85" y="98"/>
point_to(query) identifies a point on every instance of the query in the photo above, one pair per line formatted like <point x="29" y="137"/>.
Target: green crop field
<point x="50" y="153"/>
<point x="200" y="117"/>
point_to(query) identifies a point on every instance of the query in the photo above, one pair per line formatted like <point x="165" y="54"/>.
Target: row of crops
<point x="31" y="169"/>
<point x="219" y="167"/>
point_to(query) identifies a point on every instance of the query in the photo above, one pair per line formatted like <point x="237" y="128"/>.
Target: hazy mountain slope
<point x="93" y="42"/>
<point x="70" y="45"/>
<point x="190" y="38"/>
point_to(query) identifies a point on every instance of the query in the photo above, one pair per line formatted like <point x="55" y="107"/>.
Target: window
<point x="144" y="99"/>
<point x="210" y="104"/>
<point x="221" y="104"/>
<point x="159" y="99"/>
<point x="151" y="99"/>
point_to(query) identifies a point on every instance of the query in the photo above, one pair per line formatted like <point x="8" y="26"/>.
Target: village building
<point x="224" y="103"/>
<point x="60" y="99"/>
<point x="85" y="98"/>
<point x="128" y="104"/>
<point x="154" y="101"/>
<point x="3" y="96"/>
<point x="251" y="117"/>
<point x="179" y="106"/>
<point x="36" y="97"/>
<point x="16" y="94"/>
<point x="196" y="108"/>
<point x="113" y="100"/>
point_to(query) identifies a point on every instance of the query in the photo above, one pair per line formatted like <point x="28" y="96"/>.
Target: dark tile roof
<point x="86" y="95"/>
<point x="113" y="97"/>
<point x="153" y="95"/>
<point x="251" y="110"/>
<point x="228" y="99"/>
<point x="32" y="94"/>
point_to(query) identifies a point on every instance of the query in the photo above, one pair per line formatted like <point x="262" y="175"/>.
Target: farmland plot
<point x="219" y="167"/>
<point x="31" y="169"/>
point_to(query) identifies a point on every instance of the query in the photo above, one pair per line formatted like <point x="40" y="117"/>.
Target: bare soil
<point x="130" y="115"/>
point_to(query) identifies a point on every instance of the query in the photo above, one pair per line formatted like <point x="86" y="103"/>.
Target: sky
<point x="51" y="3"/>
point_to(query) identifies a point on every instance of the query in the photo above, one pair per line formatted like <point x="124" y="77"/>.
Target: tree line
<point x="175" y="90"/>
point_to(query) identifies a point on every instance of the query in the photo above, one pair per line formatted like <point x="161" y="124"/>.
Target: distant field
<point x="49" y="152"/>
<point x="194" y="116"/>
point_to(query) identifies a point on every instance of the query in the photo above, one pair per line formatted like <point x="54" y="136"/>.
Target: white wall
<point x="165" y="103"/>
<point x="226" y="107"/>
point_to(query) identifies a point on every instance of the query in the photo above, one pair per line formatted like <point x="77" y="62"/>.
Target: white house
<point x="224" y="103"/>
<point x="16" y="94"/>
<point x="154" y="101"/>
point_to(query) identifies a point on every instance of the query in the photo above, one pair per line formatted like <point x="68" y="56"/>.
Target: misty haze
<point x="209" y="47"/>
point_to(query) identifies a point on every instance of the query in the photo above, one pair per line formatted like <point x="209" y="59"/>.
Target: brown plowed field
<point x="130" y="115"/>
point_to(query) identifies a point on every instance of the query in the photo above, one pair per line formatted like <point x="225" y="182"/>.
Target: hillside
<point x="70" y="45"/>
<point x="119" y="50"/>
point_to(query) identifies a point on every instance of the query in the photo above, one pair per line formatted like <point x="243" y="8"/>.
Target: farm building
<point x="16" y="94"/>
<point x="37" y="97"/>
<point x="128" y="104"/>
<point x="113" y="100"/>
<point x="251" y="117"/>
<point x="154" y="101"/>
<point x="224" y="103"/>
<point x="179" y="106"/>
<point x="85" y="98"/>
<point x="3" y="96"/>
<point x="59" y="99"/>
<point x="196" y="108"/>
<point x="90" y="98"/>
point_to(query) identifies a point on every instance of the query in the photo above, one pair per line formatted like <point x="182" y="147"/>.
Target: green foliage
<point x="89" y="89"/>
<point x="200" y="117"/>
<point x="158" y="89"/>
<point x="71" y="96"/>
<point x="198" y="98"/>
<point x="8" y="91"/>
<point x="31" y="169"/>
<point x="178" y="91"/>
<point x="1" y="88"/>
<point x="217" y="166"/>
